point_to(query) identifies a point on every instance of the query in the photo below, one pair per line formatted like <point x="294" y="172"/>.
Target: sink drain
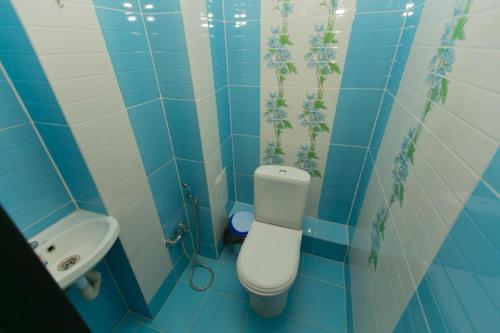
<point x="68" y="262"/>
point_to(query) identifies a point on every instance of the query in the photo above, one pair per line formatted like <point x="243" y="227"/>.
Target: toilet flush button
<point x="282" y="171"/>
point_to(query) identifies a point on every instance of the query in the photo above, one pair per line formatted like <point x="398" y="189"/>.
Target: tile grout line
<point x="347" y="254"/>
<point x="197" y="312"/>
<point x="116" y="285"/>
<point x="451" y="114"/>
<point x="431" y="132"/>
<point x="375" y="125"/>
<point x="146" y="34"/>
<point x="45" y="216"/>
<point x="39" y="136"/>
<point x="229" y="99"/>
<point x="248" y="309"/>
<point x="121" y="321"/>
<point x="218" y="150"/>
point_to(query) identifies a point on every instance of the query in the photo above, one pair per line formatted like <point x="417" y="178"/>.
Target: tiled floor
<point x="315" y="304"/>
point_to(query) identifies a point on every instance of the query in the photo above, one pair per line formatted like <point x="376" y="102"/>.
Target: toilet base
<point x="268" y="306"/>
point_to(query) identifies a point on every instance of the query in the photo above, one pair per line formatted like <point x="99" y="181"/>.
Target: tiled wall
<point x="362" y="42"/>
<point x="35" y="196"/>
<point x="106" y="153"/>
<point x="127" y="43"/>
<point x="129" y="113"/>
<point x="424" y="249"/>
<point x="181" y="38"/>
<point x="33" y="193"/>
<point x="24" y="67"/>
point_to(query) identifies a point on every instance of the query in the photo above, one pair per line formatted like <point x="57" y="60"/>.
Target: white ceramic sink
<point x="73" y="246"/>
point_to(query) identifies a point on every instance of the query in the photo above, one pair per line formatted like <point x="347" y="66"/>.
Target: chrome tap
<point x="181" y="230"/>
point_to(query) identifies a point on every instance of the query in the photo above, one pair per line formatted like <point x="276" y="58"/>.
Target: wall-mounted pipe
<point x="89" y="285"/>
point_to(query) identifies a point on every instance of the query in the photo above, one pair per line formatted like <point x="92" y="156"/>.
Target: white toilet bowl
<point x="267" y="266"/>
<point x="269" y="258"/>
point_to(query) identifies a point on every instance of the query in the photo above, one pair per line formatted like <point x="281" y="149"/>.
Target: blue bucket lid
<point x="240" y="223"/>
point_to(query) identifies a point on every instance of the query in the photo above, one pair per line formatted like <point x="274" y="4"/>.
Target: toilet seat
<point x="269" y="258"/>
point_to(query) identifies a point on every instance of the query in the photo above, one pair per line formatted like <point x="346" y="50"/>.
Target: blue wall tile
<point x="125" y="279"/>
<point x="38" y="97"/>
<point x="378" y="21"/>
<point x="245" y="106"/>
<point x="64" y="149"/>
<point x="335" y="205"/>
<point x="243" y="42"/>
<point x="223" y="114"/>
<point x="205" y="223"/>
<point x="342" y="172"/>
<point x="11" y="113"/>
<point x="360" y="194"/>
<point x="105" y="312"/>
<point x="31" y="188"/>
<point x="132" y="5"/>
<point x="244" y="188"/>
<point x="400" y="58"/>
<point x="137" y="71"/>
<point x="153" y="139"/>
<point x="193" y="173"/>
<point x="246" y="154"/>
<point x="160" y="6"/>
<point x="170" y="58"/>
<point x="47" y="221"/>
<point x="183" y="124"/>
<point x="355" y="116"/>
<point x="218" y="52"/>
<point x="234" y="8"/>
<point x="377" y="6"/>
<point x="166" y="191"/>
<point x="170" y="230"/>
<point x="243" y="61"/>
<point x="162" y="294"/>
<point x="227" y="160"/>
<point x="343" y="167"/>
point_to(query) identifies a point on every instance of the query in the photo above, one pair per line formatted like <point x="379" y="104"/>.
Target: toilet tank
<point x="281" y="194"/>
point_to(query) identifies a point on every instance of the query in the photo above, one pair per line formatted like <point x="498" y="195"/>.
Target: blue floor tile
<point x="313" y="306"/>
<point x="258" y="324"/>
<point x="178" y="312"/>
<point x="220" y="314"/>
<point x="306" y="328"/>
<point x="147" y="329"/>
<point x="322" y="269"/>
<point x="127" y="325"/>
<point x="280" y="324"/>
<point x="136" y="316"/>
<point x="227" y="281"/>
<point x="317" y="303"/>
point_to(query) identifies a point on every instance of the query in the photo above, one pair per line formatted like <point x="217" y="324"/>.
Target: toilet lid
<point x="269" y="258"/>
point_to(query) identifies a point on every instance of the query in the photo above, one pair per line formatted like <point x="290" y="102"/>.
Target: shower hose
<point x="195" y="263"/>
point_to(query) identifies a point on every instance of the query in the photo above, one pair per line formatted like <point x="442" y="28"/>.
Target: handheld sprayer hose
<point x="194" y="260"/>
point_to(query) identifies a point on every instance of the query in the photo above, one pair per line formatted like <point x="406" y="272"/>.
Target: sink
<point x="74" y="245"/>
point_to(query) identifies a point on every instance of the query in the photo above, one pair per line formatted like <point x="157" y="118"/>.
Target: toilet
<point x="269" y="257"/>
